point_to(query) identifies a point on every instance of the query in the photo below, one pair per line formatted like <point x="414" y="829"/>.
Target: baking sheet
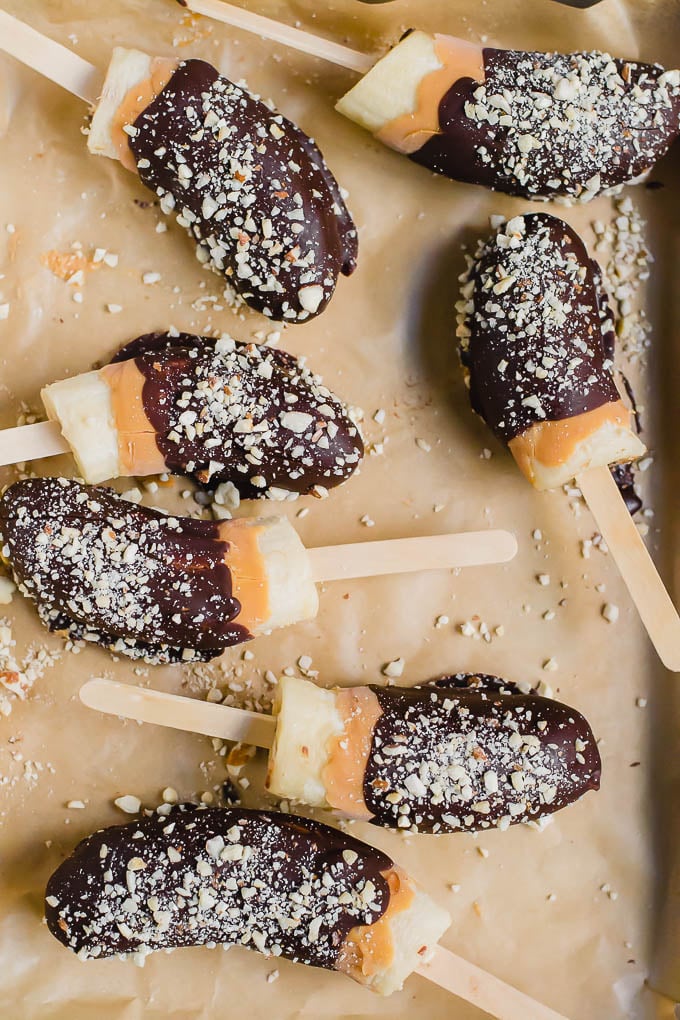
<point x="572" y="915"/>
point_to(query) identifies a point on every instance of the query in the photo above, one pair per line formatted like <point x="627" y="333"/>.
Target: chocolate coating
<point x="625" y="479"/>
<point x="554" y="125"/>
<point x="263" y="880"/>
<point x="536" y="334"/>
<point x="259" y="418"/>
<point x="470" y="752"/>
<point x="252" y="189"/>
<point x="124" y="576"/>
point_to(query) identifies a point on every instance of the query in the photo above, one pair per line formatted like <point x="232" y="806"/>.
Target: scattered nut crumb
<point x="129" y="804"/>
<point x="394" y="668"/>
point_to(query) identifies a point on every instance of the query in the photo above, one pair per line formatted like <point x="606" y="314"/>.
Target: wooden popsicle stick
<point x="482" y="989"/>
<point x="630" y="554"/>
<point x="177" y="712"/>
<point x="31" y="442"/>
<point x="405" y="555"/>
<point x="50" y="59"/>
<point x="305" y="42"/>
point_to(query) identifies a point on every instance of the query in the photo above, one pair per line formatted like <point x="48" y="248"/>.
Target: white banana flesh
<point x="84" y="409"/>
<point x="127" y="69"/>
<point x="390" y="89"/>
<point x="414" y="932"/>
<point x="291" y="589"/>
<point x="307" y="721"/>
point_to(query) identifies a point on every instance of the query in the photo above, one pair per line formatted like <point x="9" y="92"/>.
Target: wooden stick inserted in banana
<point x="165" y="588"/>
<point x="551" y="395"/>
<point x="302" y="706"/>
<point x="440" y="757"/>
<point x="246" y="184"/>
<point x="497" y="117"/>
<point x="216" y="410"/>
<point x="320" y="897"/>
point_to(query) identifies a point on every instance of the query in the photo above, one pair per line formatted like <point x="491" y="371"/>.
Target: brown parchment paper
<point x="573" y="914"/>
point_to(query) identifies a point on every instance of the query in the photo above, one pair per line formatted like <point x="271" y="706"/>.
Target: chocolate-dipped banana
<point x="213" y="409"/>
<point x="460" y="754"/>
<point x="539" y="125"/>
<point x="537" y="344"/>
<point x="147" y="585"/>
<point x="278" y="884"/>
<point x="245" y="182"/>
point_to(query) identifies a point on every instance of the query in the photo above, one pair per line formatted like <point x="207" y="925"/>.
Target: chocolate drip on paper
<point x="470" y="752"/>
<point x="625" y="479"/>
<point x="536" y="334"/>
<point x="254" y="416"/>
<point x="251" y="188"/>
<point x="624" y="474"/>
<point x="259" y="879"/>
<point x="129" y="578"/>
<point x="549" y="125"/>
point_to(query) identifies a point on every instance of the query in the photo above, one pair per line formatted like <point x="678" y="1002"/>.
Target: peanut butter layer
<point x="348" y="754"/>
<point x="553" y="443"/>
<point x="369" y="949"/>
<point x="135" y="102"/>
<point x="138" y="450"/>
<point x="458" y="59"/>
<point x="248" y="572"/>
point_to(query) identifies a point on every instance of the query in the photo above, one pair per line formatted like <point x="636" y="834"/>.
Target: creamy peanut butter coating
<point x="144" y="584"/>
<point x="537" y="344"/>
<point x="278" y="884"/>
<point x="460" y="754"/>
<point x="247" y="184"/>
<point x="539" y="125"/>
<point x="217" y="410"/>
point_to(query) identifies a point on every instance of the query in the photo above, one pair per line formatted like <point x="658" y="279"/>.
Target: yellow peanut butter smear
<point x="458" y="59"/>
<point x="138" y="450"/>
<point x="248" y="573"/>
<point x="368" y="949"/>
<point x="135" y="102"/>
<point x="554" y="443"/>
<point x="348" y="752"/>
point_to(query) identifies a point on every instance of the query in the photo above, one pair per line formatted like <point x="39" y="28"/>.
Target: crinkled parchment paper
<point x="570" y="914"/>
